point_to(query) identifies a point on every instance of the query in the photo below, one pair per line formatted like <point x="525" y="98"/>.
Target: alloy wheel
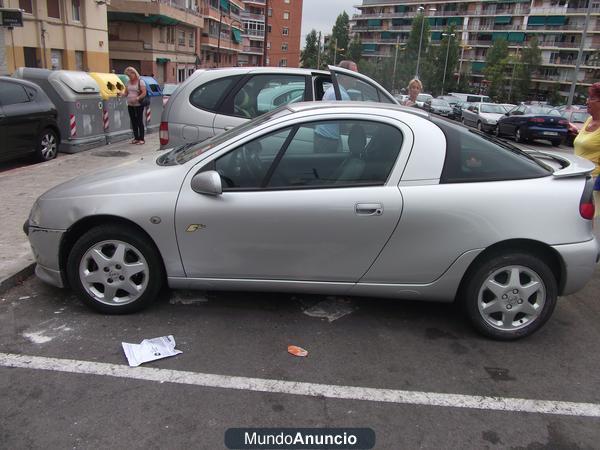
<point x="48" y="146"/>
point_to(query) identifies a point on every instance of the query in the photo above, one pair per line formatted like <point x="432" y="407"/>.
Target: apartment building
<point x="221" y="37"/>
<point x="253" y="35"/>
<point x="283" y="28"/>
<point x="558" y="25"/>
<point x="58" y="34"/>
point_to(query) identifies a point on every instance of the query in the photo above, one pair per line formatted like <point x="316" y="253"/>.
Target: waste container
<point x="115" y="116"/>
<point x="154" y="111"/>
<point x="124" y="78"/>
<point x="77" y="99"/>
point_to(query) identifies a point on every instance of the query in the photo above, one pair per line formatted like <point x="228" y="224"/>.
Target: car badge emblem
<point x="195" y="227"/>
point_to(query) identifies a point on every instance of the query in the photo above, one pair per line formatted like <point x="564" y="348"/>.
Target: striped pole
<point x="148" y="114"/>
<point x="106" y="119"/>
<point x="73" y="125"/>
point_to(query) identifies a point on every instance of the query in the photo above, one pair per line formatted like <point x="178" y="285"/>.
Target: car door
<point x="259" y="93"/>
<point x="513" y="120"/>
<point x="350" y="85"/>
<point x="291" y="212"/>
<point x="468" y="114"/>
<point x="20" y="121"/>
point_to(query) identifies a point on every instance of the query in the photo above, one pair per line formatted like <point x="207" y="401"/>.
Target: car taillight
<point x="586" y="204"/>
<point x="537" y="120"/>
<point x="563" y="122"/>
<point x="163" y="133"/>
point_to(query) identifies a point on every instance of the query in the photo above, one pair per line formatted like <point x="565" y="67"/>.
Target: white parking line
<point x="302" y="388"/>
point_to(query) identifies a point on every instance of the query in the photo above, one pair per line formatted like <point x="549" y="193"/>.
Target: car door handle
<point x="368" y="209"/>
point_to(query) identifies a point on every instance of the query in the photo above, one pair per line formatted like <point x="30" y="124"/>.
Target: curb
<point x="14" y="279"/>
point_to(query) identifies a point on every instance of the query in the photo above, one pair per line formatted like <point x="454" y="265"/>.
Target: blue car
<point x="529" y="122"/>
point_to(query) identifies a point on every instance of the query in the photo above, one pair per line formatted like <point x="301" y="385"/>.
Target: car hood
<point x="491" y="116"/>
<point x="142" y="176"/>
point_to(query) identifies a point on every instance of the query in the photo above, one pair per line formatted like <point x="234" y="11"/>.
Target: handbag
<point x="146" y="100"/>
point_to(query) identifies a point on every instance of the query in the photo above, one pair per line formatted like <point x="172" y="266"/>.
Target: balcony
<point x="226" y="42"/>
<point x="383" y="41"/>
<point x="256" y="34"/>
<point x="252" y="50"/>
<point x="252" y="16"/>
<point x="495" y="27"/>
<point x="153" y="12"/>
<point x="258" y="2"/>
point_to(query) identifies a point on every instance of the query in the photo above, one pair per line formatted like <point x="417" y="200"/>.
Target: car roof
<point x="21" y="82"/>
<point x="307" y="106"/>
<point x="246" y="70"/>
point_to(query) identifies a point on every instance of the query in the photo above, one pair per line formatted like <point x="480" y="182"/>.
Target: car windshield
<point x="182" y="154"/>
<point x="579" y="117"/>
<point x="542" y="110"/>
<point x="439" y="102"/>
<point x="423" y="97"/>
<point x="168" y="89"/>
<point x="493" y="109"/>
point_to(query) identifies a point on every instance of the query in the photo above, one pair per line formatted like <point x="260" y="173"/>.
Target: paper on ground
<point x="150" y="350"/>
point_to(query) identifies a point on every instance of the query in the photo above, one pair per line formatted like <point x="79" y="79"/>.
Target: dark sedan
<point x="529" y="122"/>
<point x="27" y="121"/>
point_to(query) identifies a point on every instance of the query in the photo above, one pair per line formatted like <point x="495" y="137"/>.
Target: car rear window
<point x="208" y="95"/>
<point x="472" y="156"/>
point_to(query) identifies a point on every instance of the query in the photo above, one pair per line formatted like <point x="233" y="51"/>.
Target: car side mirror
<point x="475" y="110"/>
<point x="207" y="183"/>
<point x="507" y="114"/>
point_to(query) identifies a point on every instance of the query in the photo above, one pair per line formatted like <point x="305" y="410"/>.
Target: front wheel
<point x="479" y="126"/>
<point x="510" y="296"/>
<point x="518" y="136"/>
<point x="47" y="145"/>
<point x="497" y="130"/>
<point x="115" y="270"/>
<point x="556" y="143"/>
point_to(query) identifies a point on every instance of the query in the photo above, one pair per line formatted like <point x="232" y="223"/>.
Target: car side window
<point x="12" y="94"/>
<point x="473" y="158"/>
<point x="246" y="166"/>
<point x="208" y="95"/>
<point x="351" y="88"/>
<point x="264" y="93"/>
<point x="355" y="153"/>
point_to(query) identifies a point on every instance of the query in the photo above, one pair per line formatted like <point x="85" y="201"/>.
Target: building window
<point x="181" y="37"/>
<point x="56" y="59"/>
<point x="78" y="60"/>
<point x="283" y="63"/>
<point x="76" y="9"/>
<point x="162" y="34"/>
<point x="269" y="28"/>
<point x="191" y="40"/>
<point x="270" y="12"/>
<point x="285" y="31"/>
<point x="53" y="8"/>
<point x="286" y="15"/>
<point x="25" y="5"/>
<point x="171" y="35"/>
<point x="180" y="75"/>
<point x="268" y="44"/>
<point x="284" y="47"/>
<point x="286" y="1"/>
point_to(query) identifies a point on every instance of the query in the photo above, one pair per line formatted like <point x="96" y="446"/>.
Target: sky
<point x="321" y="15"/>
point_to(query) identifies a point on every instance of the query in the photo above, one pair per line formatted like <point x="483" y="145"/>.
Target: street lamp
<point x="450" y="36"/>
<point x="396" y="60"/>
<point x="422" y="9"/>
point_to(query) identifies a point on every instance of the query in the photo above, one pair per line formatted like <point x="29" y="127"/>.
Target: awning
<point x="503" y="20"/>
<point x="163" y="60"/>
<point x="225" y="5"/>
<point x="386" y="35"/>
<point x="236" y="35"/>
<point x="369" y="47"/>
<point x="477" y="66"/>
<point x="516" y="37"/>
<point x="556" y="20"/>
<point x="400" y="8"/>
<point x="374" y="22"/>
<point x="436" y="35"/>
<point x="536" y="20"/>
<point x="156" y="19"/>
<point x="497" y="36"/>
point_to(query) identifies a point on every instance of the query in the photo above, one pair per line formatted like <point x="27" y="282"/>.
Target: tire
<point x="509" y="274"/>
<point x="518" y="137"/>
<point x="47" y="145"/>
<point x="479" y="126"/>
<point x="497" y="131"/>
<point x="556" y="143"/>
<point x="117" y="258"/>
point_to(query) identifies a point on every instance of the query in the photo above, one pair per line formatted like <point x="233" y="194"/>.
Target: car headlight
<point x="490" y="121"/>
<point x="35" y="214"/>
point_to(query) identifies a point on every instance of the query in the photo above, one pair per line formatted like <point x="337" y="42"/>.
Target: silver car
<point x="212" y="101"/>
<point x="484" y="116"/>
<point x="405" y="206"/>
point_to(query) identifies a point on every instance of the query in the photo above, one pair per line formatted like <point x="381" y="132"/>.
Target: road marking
<point x="301" y="388"/>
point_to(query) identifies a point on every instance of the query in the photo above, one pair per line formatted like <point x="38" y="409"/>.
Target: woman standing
<point x="135" y="92"/>
<point x="414" y="88"/>
<point x="587" y="142"/>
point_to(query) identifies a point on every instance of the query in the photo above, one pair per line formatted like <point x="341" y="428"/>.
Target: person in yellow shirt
<point x="587" y="142"/>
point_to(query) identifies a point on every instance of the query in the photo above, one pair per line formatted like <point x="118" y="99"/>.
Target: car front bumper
<point x="579" y="264"/>
<point x="45" y="245"/>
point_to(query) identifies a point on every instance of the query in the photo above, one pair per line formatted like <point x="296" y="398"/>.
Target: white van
<point x="471" y="98"/>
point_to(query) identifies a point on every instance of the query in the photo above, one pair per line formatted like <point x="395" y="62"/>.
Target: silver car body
<point x="476" y="116"/>
<point x="188" y="123"/>
<point x="420" y="246"/>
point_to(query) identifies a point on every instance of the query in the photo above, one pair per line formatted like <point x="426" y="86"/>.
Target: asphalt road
<point x="403" y="360"/>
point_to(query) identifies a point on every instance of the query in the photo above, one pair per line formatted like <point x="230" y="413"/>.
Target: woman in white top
<point x="135" y="92"/>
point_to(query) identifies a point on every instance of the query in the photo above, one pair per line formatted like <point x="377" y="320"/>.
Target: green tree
<point x="340" y="38"/>
<point x="554" y="97"/>
<point x="409" y="60"/>
<point x="526" y="64"/>
<point x="435" y="61"/>
<point x="309" y="56"/>
<point x="355" y="49"/>
<point x="497" y="62"/>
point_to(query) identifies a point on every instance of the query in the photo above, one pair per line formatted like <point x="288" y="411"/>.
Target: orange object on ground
<point x="297" y="351"/>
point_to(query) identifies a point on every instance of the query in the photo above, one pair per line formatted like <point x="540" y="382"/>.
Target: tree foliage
<point x="355" y="49"/>
<point x="435" y="62"/>
<point x="497" y="63"/>
<point x="527" y="63"/>
<point x="340" y="38"/>
<point x="309" y="56"/>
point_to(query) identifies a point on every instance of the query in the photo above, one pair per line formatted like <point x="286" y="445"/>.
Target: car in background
<point x="28" y="121"/>
<point x="421" y="99"/>
<point x="212" y="101"/>
<point x="483" y="116"/>
<point x="438" y="106"/>
<point x="508" y="106"/>
<point x="167" y="91"/>
<point x="457" y="109"/>
<point x="471" y="98"/>
<point x="529" y="122"/>
<point x="576" y="118"/>
<point x="407" y="207"/>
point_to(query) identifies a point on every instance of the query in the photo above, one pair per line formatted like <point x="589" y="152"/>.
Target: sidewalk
<point x="20" y="187"/>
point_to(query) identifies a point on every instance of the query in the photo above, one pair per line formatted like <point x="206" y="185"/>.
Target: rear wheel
<point x="510" y="296"/>
<point x="114" y="269"/>
<point x="47" y="146"/>
<point x="497" y="130"/>
<point x="479" y="126"/>
<point x="556" y="143"/>
<point x="518" y="136"/>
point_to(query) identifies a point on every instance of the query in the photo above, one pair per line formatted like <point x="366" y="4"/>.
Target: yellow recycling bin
<point x="115" y="115"/>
